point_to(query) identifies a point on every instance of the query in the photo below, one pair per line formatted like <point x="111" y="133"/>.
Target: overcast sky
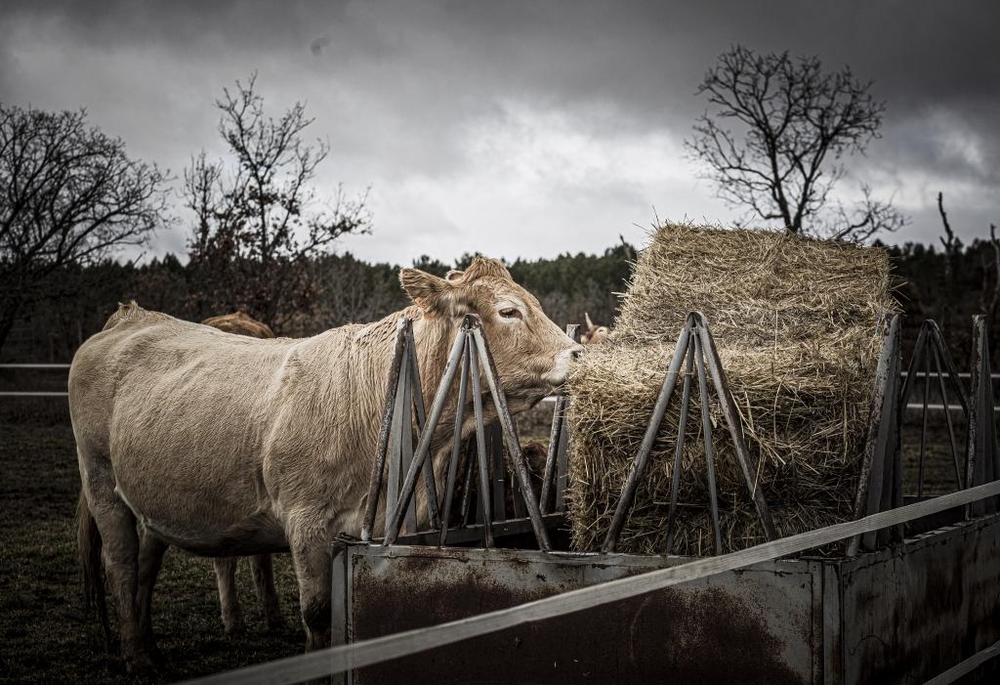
<point x="518" y="129"/>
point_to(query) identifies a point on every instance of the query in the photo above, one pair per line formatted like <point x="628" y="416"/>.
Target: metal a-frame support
<point x="471" y="359"/>
<point x="932" y="348"/>
<point x="556" y="464"/>
<point x="982" y="457"/>
<point x="880" y="484"/>
<point x="696" y="347"/>
<point x="404" y="400"/>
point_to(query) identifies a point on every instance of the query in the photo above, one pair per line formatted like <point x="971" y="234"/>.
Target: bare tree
<point x="69" y="195"/>
<point x="952" y="246"/>
<point x="259" y="221"/>
<point x="794" y="124"/>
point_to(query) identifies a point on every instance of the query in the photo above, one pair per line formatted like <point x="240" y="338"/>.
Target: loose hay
<point x="798" y="327"/>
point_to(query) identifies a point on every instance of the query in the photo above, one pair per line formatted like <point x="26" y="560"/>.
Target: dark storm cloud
<point x="647" y="56"/>
<point x="184" y="22"/>
<point x="399" y="85"/>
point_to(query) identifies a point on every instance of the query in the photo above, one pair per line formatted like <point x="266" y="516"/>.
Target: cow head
<point x="531" y="352"/>
<point x="594" y="333"/>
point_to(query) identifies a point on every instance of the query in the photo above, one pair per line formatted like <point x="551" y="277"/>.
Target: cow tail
<point x="88" y="542"/>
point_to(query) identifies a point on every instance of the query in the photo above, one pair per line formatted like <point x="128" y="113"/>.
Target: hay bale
<point x="798" y="327"/>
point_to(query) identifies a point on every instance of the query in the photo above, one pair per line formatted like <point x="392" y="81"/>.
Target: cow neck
<point x="433" y="338"/>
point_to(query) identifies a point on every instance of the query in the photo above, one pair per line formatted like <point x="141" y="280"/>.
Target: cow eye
<point x="510" y="313"/>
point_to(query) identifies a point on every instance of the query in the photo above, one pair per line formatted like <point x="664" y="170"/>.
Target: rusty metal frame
<point x="696" y="344"/>
<point x="556" y="459"/>
<point x="471" y="360"/>
<point x="880" y="481"/>
<point x="982" y="455"/>
<point x="880" y="477"/>
<point x="404" y="403"/>
<point x="931" y="347"/>
<point x="378" y="467"/>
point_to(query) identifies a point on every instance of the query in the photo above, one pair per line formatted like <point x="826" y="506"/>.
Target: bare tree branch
<point x="794" y="123"/>
<point x="68" y="195"/>
<point x="257" y="222"/>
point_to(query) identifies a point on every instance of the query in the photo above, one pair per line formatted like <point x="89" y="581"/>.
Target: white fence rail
<point x="34" y="393"/>
<point x="551" y="398"/>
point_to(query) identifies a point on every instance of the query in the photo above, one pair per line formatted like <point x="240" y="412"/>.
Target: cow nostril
<point x="576" y="352"/>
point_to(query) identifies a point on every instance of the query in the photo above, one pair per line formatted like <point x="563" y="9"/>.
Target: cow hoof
<point x="140" y="666"/>
<point x="157" y="656"/>
<point x="234" y="629"/>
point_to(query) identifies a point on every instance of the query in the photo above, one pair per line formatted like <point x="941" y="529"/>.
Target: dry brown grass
<point x="798" y="327"/>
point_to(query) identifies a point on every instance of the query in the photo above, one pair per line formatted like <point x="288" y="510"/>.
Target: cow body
<point x="224" y="445"/>
<point x="261" y="566"/>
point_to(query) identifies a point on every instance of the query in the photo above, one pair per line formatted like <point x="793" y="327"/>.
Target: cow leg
<point x="263" y="581"/>
<point x="120" y="550"/>
<point x="151" y="551"/>
<point x="225" y="577"/>
<point x="312" y="569"/>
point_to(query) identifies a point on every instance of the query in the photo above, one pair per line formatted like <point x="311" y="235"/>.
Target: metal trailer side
<point x="899" y="615"/>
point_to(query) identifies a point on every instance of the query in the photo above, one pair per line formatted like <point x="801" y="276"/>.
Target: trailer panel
<point x="899" y="615"/>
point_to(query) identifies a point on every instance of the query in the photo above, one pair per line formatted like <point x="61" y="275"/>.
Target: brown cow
<point x="240" y="323"/>
<point x="261" y="568"/>
<point x="594" y="334"/>
<point x="233" y="446"/>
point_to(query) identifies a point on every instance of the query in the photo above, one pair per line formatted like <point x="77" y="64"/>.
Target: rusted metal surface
<point x="556" y="462"/>
<point x="910" y="614"/>
<point x="982" y="453"/>
<point x="510" y="438"/>
<point x="470" y="356"/>
<point x="627" y="497"/>
<point x="498" y="474"/>
<point x="550" y="475"/>
<point x="456" y="447"/>
<point x="932" y="351"/>
<point x="874" y="492"/>
<point x="675" y="475"/>
<point x="401" y="447"/>
<point x="748" y="464"/>
<point x="562" y="468"/>
<point x="395" y="514"/>
<point x="378" y="468"/>
<point x="695" y="341"/>
<point x="896" y="616"/>
<point x="486" y="506"/>
<point x="706" y="421"/>
<point x="418" y="405"/>
<point x="676" y="635"/>
<point x="952" y="442"/>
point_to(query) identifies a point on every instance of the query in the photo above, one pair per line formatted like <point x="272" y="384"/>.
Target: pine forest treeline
<point x="949" y="286"/>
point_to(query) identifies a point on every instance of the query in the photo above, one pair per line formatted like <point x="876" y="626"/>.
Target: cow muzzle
<point x="556" y="376"/>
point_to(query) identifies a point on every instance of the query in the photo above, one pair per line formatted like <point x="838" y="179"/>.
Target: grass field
<point x="45" y="636"/>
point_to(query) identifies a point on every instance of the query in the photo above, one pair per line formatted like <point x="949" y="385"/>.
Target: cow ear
<point x="433" y="294"/>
